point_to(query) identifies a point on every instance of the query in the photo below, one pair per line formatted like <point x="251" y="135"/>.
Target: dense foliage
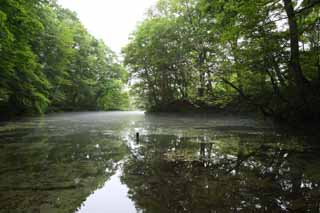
<point x="261" y="53"/>
<point x="50" y="62"/>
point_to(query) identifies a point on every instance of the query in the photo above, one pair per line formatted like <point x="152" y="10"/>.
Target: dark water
<point x="92" y="163"/>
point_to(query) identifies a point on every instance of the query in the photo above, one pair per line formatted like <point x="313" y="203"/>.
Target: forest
<point x="186" y="55"/>
<point x="49" y="62"/>
<point x="236" y="55"/>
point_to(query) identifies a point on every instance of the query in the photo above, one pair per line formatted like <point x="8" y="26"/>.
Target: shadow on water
<point x="76" y="162"/>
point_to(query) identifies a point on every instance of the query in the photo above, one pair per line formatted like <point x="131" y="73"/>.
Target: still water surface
<point x="91" y="162"/>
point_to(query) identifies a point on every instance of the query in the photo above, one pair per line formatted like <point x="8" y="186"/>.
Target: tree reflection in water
<point x="55" y="174"/>
<point x="181" y="164"/>
<point x="167" y="173"/>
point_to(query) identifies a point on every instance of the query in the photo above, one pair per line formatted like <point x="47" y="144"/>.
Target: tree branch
<point x="311" y="5"/>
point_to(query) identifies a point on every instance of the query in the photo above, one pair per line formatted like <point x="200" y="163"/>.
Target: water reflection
<point x="55" y="176"/>
<point x="110" y="198"/>
<point x="184" y="174"/>
<point x="91" y="162"/>
<point x="53" y="164"/>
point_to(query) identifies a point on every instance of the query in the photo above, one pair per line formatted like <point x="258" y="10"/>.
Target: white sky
<point x="111" y="20"/>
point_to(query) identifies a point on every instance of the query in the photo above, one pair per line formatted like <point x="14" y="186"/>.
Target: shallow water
<point x="91" y="162"/>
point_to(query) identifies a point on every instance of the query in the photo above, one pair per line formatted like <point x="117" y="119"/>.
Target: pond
<point x="93" y="162"/>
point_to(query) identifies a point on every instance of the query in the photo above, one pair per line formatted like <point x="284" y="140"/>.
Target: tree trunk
<point x="234" y="48"/>
<point x="201" y="60"/>
<point x="295" y="67"/>
<point x="277" y="70"/>
<point x="151" y="87"/>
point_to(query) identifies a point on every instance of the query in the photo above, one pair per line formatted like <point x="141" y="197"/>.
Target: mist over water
<point x="93" y="162"/>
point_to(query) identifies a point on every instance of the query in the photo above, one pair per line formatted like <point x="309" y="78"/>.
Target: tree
<point x="49" y="60"/>
<point x="229" y="54"/>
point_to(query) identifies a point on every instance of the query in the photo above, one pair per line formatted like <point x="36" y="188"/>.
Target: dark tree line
<point x="50" y="62"/>
<point x="263" y="53"/>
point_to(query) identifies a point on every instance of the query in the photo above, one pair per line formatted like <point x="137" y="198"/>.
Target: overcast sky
<point x="110" y="20"/>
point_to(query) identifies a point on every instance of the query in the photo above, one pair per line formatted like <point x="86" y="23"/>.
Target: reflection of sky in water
<point x="112" y="197"/>
<point x="92" y="163"/>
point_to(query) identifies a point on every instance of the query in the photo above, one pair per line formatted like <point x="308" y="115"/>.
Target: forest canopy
<point x="238" y="55"/>
<point x="258" y="54"/>
<point x="49" y="62"/>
